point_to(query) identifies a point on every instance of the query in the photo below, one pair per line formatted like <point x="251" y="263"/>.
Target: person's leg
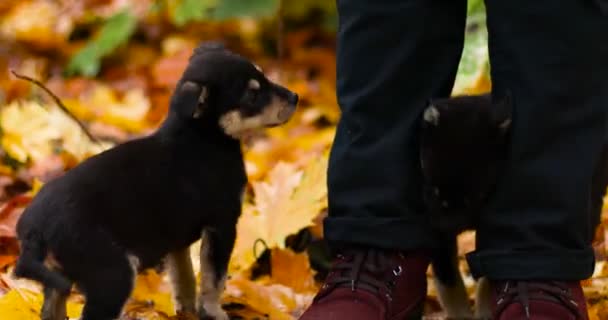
<point x="392" y="57"/>
<point x="552" y="56"/>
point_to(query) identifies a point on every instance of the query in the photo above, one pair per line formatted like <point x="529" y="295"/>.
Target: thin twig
<point x="59" y="103"/>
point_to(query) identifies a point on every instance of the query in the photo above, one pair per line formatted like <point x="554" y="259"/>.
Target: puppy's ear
<point x="202" y="102"/>
<point x="502" y="113"/>
<point x="210" y="46"/>
<point x="431" y="114"/>
<point x="190" y="99"/>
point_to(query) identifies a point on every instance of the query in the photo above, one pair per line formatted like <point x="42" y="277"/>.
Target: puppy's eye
<point x="253" y="88"/>
<point x="252" y="95"/>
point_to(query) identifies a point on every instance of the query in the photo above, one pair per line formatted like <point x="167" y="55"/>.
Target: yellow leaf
<point x="38" y="23"/>
<point x="149" y="288"/>
<point x="31" y="132"/>
<point x="25" y="304"/>
<point x="287" y="202"/>
<point x="78" y="109"/>
<point x="276" y="301"/>
<point x="256" y="222"/>
<point x="128" y="113"/>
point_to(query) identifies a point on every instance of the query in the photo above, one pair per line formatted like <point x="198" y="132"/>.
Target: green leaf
<point x="116" y="31"/>
<point x="229" y="9"/>
<point x="475" y="53"/>
<point x="299" y="9"/>
<point x="192" y="10"/>
<point x="86" y="62"/>
<point x="295" y="10"/>
<point x="475" y="6"/>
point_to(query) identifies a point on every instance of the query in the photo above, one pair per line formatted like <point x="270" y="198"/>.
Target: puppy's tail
<point x="31" y="265"/>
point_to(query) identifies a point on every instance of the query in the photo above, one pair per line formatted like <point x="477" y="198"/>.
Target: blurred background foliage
<point x="114" y="63"/>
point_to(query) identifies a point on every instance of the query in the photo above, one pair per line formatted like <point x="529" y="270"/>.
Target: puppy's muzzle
<point x="293" y="99"/>
<point x="287" y="111"/>
<point x="283" y="106"/>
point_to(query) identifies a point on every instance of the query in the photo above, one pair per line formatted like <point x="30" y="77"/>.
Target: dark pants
<point x="552" y="56"/>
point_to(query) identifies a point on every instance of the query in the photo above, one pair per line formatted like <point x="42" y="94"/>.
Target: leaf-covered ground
<point x="113" y="63"/>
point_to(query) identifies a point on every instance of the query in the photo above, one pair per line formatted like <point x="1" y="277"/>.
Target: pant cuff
<point x="383" y="233"/>
<point x="564" y="265"/>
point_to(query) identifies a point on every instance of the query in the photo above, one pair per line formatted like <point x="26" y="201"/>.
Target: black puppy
<point x="127" y="208"/>
<point x="464" y="144"/>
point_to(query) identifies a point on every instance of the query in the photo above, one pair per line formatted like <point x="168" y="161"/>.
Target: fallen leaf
<point x="292" y="270"/>
<point x="32" y="133"/>
<point x="49" y="29"/>
<point x="276" y="301"/>
<point x="286" y="202"/>
<point x="25" y="305"/>
<point x="10" y="213"/>
<point x="150" y="288"/>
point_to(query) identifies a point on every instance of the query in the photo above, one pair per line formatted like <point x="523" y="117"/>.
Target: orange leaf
<point x="293" y="270"/>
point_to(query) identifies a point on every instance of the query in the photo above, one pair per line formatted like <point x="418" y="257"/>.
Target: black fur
<point x="461" y="156"/>
<point x="464" y="146"/>
<point x="151" y="196"/>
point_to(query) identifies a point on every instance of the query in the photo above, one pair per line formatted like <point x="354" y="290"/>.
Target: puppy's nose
<point x="293" y="99"/>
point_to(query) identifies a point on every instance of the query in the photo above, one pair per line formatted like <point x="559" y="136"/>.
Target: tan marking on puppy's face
<point x="277" y="112"/>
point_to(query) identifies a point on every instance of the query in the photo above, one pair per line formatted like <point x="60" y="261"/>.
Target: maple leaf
<point x="103" y="104"/>
<point x="33" y="132"/>
<point x="287" y="202"/>
<point x="292" y="270"/>
<point x="276" y="301"/>
<point x="25" y="304"/>
<point x="150" y="298"/>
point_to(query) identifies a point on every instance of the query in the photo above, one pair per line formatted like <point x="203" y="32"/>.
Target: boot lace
<point x="524" y="291"/>
<point x="366" y="270"/>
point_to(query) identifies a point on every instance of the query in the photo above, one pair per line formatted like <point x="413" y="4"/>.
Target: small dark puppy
<point x="464" y="145"/>
<point x="127" y="208"/>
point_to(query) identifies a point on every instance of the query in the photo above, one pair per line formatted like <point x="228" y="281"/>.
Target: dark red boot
<point x="538" y="300"/>
<point x="372" y="285"/>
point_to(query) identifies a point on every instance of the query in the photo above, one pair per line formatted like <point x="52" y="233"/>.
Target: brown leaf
<point x="10" y="213"/>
